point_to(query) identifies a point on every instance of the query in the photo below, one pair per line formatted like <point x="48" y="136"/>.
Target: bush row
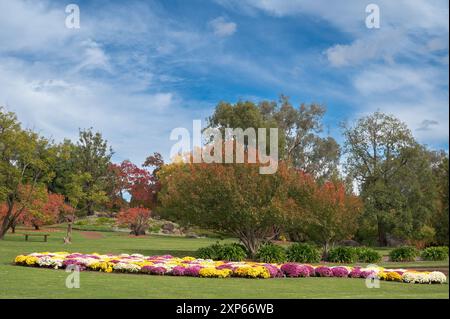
<point x="407" y="253"/>
<point x="306" y="253"/>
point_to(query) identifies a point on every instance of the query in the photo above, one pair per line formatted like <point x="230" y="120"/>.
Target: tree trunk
<point x="326" y="249"/>
<point x="13" y="229"/>
<point x="251" y="243"/>
<point x="90" y="209"/>
<point x="382" y="240"/>
<point x="36" y="227"/>
<point x="68" y="238"/>
<point x="6" y="223"/>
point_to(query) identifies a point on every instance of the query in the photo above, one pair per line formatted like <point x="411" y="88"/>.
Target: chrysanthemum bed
<point x="190" y="266"/>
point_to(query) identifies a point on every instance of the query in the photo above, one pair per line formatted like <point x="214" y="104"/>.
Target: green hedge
<point x="435" y="253"/>
<point x="270" y="253"/>
<point x="303" y="253"/>
<point x="229" y="252"/>
<point x="405" y="253"/>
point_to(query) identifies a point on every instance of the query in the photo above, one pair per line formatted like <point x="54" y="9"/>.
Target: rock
<point x="393" y="241"/>
<point x="168" y="227"/>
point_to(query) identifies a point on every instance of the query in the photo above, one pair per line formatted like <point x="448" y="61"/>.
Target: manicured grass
<point x="25" y="282"/>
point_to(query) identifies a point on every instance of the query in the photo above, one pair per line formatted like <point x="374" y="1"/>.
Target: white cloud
<point x="134" y="124"/>
<point x="383" y="45"/>
<point x="411" y="94"/>
<point x="93" y="57"/>
<point x="222" y="27"/>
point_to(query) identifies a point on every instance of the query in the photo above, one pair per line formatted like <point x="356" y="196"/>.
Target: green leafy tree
<point x="394" y="176"/>
<point x="26" y="159"/>
<point x="302" y="128"/>
<point x="92" y="158"/>
<point x="441" y="177"/>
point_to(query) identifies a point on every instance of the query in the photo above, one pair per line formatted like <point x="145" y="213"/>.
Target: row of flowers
<point x="190" y="266"/>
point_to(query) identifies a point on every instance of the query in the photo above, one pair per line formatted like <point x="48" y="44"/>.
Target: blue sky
<point x="135" y="70"/>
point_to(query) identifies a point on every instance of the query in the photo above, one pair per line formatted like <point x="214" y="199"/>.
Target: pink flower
<point x="274" y="271"/>
<point x="178" y="271"/>
<point x="323" y="271"/>
<point x="339" y="272"/>
<point x="355" y="273"/>
<point x="295" y="270"/>
<point x="192" y="271"/>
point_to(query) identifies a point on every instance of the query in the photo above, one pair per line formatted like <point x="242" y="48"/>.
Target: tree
<point x="26" y="159"/>
<point x="140" y="183"/>
<point x="155" y="162"/>
<point x="393" y="173"/>
<point x="45" y="209"/>
<point x="232" y="198"/>
<point x="63" y="167"/>
<point x="441" y="177"/>
<point x="75" y="194"/>
<point x="333" y="215"/>
<point x="92" y="158"/>
<point x="305" y="149"/>
<point x="243" y="115"/>
<point x="137" y="218"/>
<point x="300" y="130"/>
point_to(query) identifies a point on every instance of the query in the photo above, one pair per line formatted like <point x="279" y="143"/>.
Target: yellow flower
<point x="390" y="276"/>
<point x="20" y="259"/>
<point x="31" y="260"/>
<point x="252" y="272"/>
<point x="188" y="258"/>
<point x="214" y="273"/>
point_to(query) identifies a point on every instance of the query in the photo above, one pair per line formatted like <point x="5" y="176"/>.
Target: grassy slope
<point x="23" y="282"/>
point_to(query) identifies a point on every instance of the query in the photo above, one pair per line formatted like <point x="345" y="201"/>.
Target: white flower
<point x="437" y="277"/>
<point x="416" y="277"/>
<point x="126" y="267"/>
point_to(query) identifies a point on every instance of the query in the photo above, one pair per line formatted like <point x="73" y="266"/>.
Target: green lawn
<point x="24" y="282"/>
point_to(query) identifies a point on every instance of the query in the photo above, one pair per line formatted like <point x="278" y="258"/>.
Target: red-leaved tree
<point x="136" y="218"/>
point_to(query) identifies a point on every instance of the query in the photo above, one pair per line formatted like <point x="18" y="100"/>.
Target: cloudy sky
<point x="135" y="70"/>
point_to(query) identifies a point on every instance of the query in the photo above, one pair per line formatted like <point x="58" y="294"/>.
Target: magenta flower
<point x="340" y="272"/>
<point x="355" y="273"/>
<point x="274" y="271"/>
<point x="69" y="262"/>
<point x="312" y="271"/>
<point x="323" y="271"/>
<point x="192" y="271"/>
<point x="295" y="270"/>
<point x="367" y="273"/>
<point x="178" y="271"/>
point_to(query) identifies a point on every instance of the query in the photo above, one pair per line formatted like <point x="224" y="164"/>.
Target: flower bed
<point x="190" y="266"/>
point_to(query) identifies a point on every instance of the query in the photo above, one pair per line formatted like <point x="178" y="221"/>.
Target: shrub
<point x="435" y="253"/>
<point x="367" y="255"/>
<point x="104" y="221"/>
<point x="233" y="252"/>
<point x="342" y="255"/>
<point x="303" y="253"/>
<point x="404" y="253"/>
<point x="270" y="253"/>
<point x="211" y="252"/>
